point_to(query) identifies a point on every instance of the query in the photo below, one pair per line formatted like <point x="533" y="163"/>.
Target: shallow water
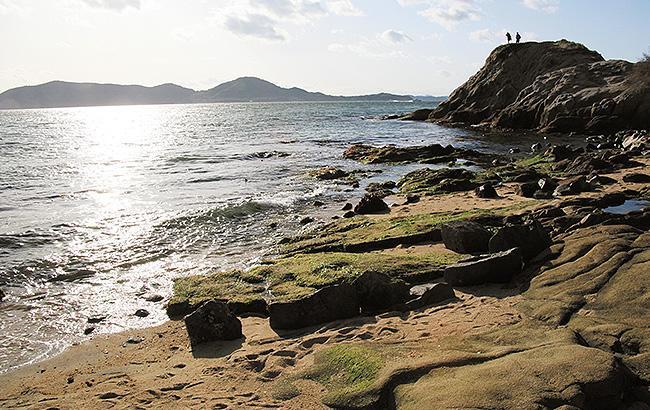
<point x="100" y="205"/>
<point x="631" y="205"/>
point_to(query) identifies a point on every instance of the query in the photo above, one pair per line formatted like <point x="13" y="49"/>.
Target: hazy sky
<point x="334" y="46"/>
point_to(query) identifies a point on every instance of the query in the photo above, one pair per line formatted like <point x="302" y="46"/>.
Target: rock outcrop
<point x="556" y="86"/>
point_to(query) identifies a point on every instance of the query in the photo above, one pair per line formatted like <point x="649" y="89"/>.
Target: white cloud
<point x="254" y="25"/>
<point x="343" y="8"/>
<point x="547" y="6"/>
<point x="263" y="18"/>
<point x="395" y="37"/>
<point x="449" y="13"/>
<point x="114" y="5"/>
<point x="12" y="7"/>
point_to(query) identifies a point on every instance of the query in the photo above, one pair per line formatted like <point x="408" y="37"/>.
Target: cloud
<point x="447" y="13"/>
<point x="343" y="8"/>
<point x="263" y="18"/>
<point x="254" y="25"/>
<point x="395" y="37"/>
<point x="12" y="7"/>
<point x="547" y="6"/>
<point x="114" y="5"/>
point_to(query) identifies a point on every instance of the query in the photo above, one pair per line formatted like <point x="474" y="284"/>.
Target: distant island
<point x="57" y="94"/>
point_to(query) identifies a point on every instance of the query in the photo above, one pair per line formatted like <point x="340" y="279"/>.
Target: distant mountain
<point x="245" y="89"/>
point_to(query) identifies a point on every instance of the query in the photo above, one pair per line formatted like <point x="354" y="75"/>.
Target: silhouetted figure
<point x="518" y="38"/>
<point x="509" y="37"/>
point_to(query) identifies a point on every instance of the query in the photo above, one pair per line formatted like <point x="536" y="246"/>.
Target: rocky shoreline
<point x="511" y="281"/>
<point x="409" y="304"/>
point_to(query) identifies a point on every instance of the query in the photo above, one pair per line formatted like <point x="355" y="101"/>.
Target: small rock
<point x="429" y="294"/>
<point x="141" y="313"/>
<point x="527" y="189"/>
<point x="412" y="198"/>
<point x="212" y="321"/>
<point x="349" y="214"/>
<point x="70" y="380"/>
<point x="134" y="340"/>
<point x="89" y="330"/>
<point x="319" y="203"/>
<point x="514" y="150"/>
<point x="378" y="291"/>
<point x="2" y="295"/>
<point x="486" y="191"/>
<point x="371" y="204"/>
<point x="348" y="206"/>
<point x="152" y="297"/>
<point x="96" y="319"/>
<point x="273" y="225"/>
<point x="306" y="220"/>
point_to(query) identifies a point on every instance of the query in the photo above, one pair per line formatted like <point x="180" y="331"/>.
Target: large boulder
<point x="465" y="237"/>
<point x="494" y="268"/>
<point x="212" y="321"/>
<point x="531" y="239"/>
<point x="325" y="305"/>
<point x="507" y="71"/>
<point x="377" y="291"/>
<point x="443" y="180"/>
<point x="552" y="87"/>
<point x="371" y="204"/>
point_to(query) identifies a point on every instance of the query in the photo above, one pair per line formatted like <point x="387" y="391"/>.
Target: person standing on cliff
<point x="518" y="38"/>
<point x="509" y="37"/>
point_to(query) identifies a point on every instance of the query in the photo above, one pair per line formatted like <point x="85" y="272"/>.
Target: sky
<point x="341" y="47"/>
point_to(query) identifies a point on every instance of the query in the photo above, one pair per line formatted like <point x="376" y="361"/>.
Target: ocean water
<point x="101" y="205"/>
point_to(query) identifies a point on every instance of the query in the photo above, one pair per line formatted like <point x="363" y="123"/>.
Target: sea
<point x="102" y="207"/>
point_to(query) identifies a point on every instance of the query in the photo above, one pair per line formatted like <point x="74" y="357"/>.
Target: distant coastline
<point x="59" y="94"/>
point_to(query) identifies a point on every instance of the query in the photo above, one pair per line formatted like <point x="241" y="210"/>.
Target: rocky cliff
<point x="552" y="86"/>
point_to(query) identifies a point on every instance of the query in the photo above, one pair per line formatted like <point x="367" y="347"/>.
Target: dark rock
<point x="637" y="177"/>
<point x="547" y="184"/>
<point x="417" y="115"/>
<point x="96" y="319"/>
<point x="141" y="313"/>
<point x="527" y="189"/>
<point x="600" y="179"/>
<point x="519" y="175"/>
<point x="328" y="173"/>
<point x="531" y="239"/>
<point x="212" y="321"/>
<point x="371" y="204"/>
<point x="412" y="198"/>
<point x="465" y="237"/>
<point x="572" y="186"/>
<point x="539" y="194"/>
<point x="429" y="294"/>
<point x="349" y="214"/>
<point x="152" y="297"/>
<point x="514" y="150"/>
<point x="2" y="295"/>
<point x="273" y="225"/>
<point x="377" y="291"/>
<point x="381" y="189"/>
<point x="561" y="152"/>
<point x="611" y="199"/>
<point x="325" y="305"/>
<point x="495" y="268"/>
<point x="551" y="212"/>
<point x="89" y="330"/>
<point x="306" y="220"/>
<point x="318" y="203"/>
<point x="347" y="207"/>
<point x="536" y="147"/>
<point x="585" y="165"/>
<point x="486" y="191"/>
